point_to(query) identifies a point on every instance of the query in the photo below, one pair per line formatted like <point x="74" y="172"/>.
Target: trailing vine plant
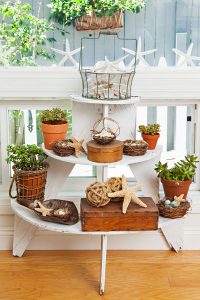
<point x="24" y="32"/>
<point x="67" y="11"/>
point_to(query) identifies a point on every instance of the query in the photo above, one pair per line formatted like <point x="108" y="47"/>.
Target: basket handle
<point x="10" y="189"/>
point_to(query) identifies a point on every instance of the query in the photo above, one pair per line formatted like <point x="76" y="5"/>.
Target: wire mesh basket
<point x="112" y="72"/>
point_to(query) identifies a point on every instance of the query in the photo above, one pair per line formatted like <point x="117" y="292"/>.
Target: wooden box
<point x="105" y="153"/>
<point x="111" y="218"/>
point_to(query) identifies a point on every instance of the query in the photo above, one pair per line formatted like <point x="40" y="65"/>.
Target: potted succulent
<point x="54" y="126"/>
<point x="30" y="171"/>
<point x="150" y="134"/>
<point x="93" y="14"/>
<point x="176" y="180"/>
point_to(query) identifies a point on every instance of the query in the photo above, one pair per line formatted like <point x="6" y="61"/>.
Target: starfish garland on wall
<point x="186" y="59"/>
<point x="139" y="54"/>
<point x="68" y="54"/>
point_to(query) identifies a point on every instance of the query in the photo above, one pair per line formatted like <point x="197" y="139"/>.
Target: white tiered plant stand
<point x="85" y="112"/>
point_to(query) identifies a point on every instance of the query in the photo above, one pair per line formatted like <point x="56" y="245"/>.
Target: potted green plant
<point x="54" y="126"/>
<point x="177" y="180"/>
<point x="30" y="172"/>
<point x="92" y="14"/>
<point x="150" y="134"/>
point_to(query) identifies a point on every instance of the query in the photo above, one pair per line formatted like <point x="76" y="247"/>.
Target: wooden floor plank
<point x="70" y="275"/>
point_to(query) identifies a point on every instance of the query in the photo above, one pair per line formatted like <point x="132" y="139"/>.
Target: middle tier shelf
<point x="126" y="160"/>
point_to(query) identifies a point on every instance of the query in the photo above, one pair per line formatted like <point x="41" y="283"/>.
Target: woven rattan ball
<point x="114" y="184"/>
<point x="97" y="194"/>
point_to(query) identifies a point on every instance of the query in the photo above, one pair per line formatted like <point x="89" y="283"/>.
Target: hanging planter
<point x="93" y="22"/>
<point x="93" y="15"/>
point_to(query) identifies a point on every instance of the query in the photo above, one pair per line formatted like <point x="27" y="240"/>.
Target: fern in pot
<point x="177" y="180"/>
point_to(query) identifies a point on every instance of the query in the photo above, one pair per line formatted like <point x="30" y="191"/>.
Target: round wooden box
<point x="105" y="153"/>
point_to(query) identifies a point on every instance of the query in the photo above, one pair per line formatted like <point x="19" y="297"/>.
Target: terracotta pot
<point x="175" y="188"/>
<point x="151" y="140"/>
<point x="52" y="133"/>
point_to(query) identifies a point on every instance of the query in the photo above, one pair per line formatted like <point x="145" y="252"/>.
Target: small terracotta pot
<point x="52" y="133"/>
<point x="174" y="188"/>
<point x="151" y="140"/>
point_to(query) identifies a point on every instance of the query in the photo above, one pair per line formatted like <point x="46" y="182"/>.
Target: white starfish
<point x="162" y="63"/>
<point x="107" y="66"/>
<point x="139" y="54"/>
<point x="68" y="54"/>
<point x="186" y="59"/>
<point x="4" y="55"/>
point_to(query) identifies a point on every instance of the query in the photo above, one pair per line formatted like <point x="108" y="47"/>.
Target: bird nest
<point x="105" y="131"/>
<point x="97" y="194"/>
<point x="135" y="148"/>
<point x="173" y="213"/>
<point x="62" y="148"/>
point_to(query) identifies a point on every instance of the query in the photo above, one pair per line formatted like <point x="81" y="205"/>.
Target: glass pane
<point x="176" y="137"/>
<point x="24" y="128"/>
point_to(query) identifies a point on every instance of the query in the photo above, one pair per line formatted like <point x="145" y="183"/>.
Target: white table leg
<point x="103" y="263"/>
<point x="56" y="177"/>
<point x="173" y="233"/>
<point x="145" y="175"/>
<point x="23" y="234"/>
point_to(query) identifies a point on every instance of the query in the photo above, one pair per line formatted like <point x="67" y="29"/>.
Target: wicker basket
<point x="30" y="185"/>
<point x="105" y="124"/>
<point x="135" y="148"/>
<point x="92" y="22"/>
<point x="61" y="148"/>
<point x="173" y="213"/>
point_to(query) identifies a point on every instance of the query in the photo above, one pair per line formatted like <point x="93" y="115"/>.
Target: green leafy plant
<point x="182" y="170"/>
<point x="66" y="11"/>
<point x="150" y="129"/>
<point x="26" y="157"/>
<point x="25" y="33"/>
<point x="54" y="116"/>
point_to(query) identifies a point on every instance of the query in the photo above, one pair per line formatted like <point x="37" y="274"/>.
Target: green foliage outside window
<point x="25" y="33"/>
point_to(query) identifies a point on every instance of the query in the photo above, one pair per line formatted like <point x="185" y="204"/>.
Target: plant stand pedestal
<point x="85" y="112"/>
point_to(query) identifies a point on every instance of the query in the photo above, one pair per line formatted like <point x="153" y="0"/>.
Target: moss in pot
<point x="177" y="180"/>
<point x="54" y="126"/>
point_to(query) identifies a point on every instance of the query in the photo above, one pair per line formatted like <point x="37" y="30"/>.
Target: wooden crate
<point x="111" y="218"/>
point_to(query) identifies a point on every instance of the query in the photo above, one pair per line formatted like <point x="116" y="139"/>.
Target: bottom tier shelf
<point x="29" y="216"/>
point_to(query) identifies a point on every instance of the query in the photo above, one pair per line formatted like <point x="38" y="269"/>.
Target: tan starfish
<point x="128" y="193"/>
<point x="44" y="210"/>
<point x="180" y="199"/>
<point x="77" y="145"/>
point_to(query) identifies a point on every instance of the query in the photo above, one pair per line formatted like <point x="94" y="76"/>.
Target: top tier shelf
<point x="126" y="160"/>
<point x="80" y="99"/>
